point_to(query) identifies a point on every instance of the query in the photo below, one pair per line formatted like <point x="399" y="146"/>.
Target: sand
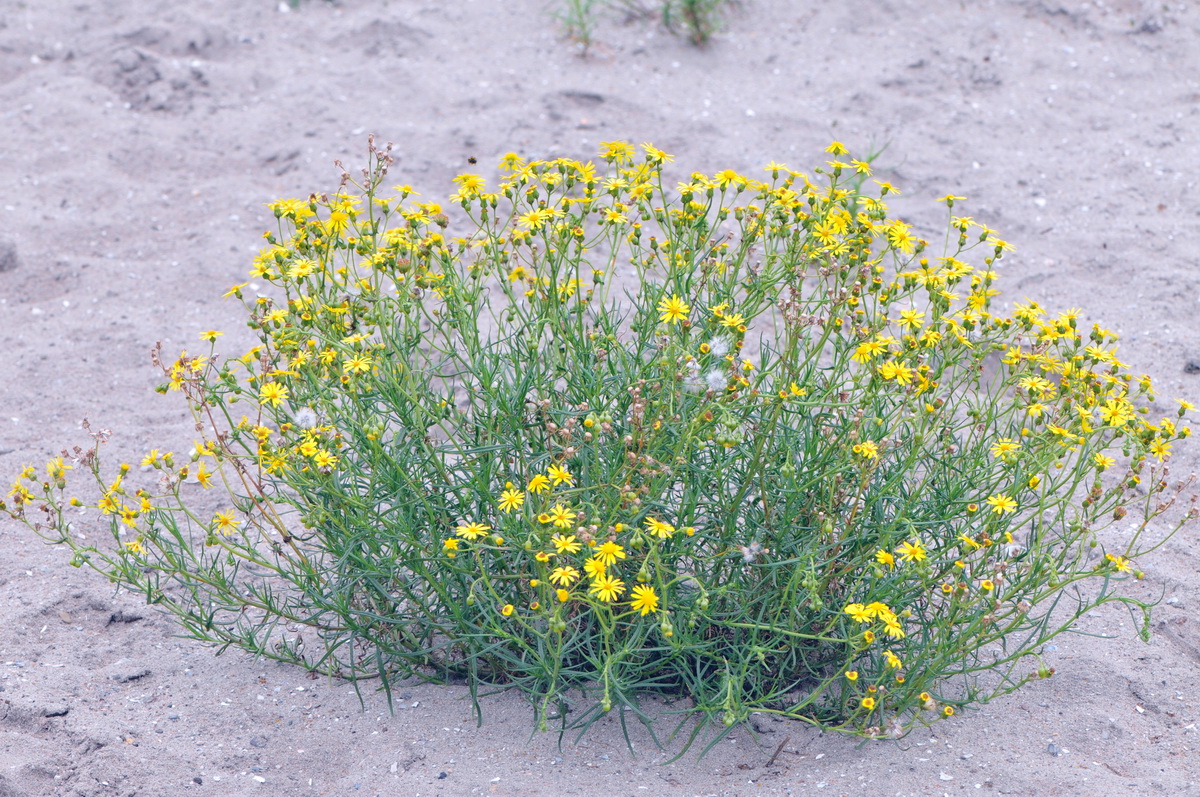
<point x="141" y="140"/>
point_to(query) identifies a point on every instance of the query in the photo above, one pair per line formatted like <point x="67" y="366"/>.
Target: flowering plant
<point x="743" y="441"/>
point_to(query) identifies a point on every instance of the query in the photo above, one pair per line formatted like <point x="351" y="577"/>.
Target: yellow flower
<point x="1002" y="504"/>
<point x="866" y="449"/>
<point x="1004" y="446"/>
<point x="837" y="148"/>
<point x="851" y="675"/>
<point x="868" y="349"/>
<point x="733" y="320"/>
<point x="655" y="155"/>
<point x="357" y="364"/>
<point x="507" y="610"/>
<point x="211" y="335"/>
<point x="226" y="524"/>
<point x="885" y="558"/>
<point x="561" y="516"/>
<point x="609" y="552"/>
<point x="511" y="162"/>
<point x="1160" y="449"/>
<point x="469" y="184"/>
<point x="617" y="151"/>
<point x="272" y="393"/>
<point x="55" y="468"/>
<point x="203" y="477"/>
<point x="560" y="475"/>
<point x="892" y="627"/>
<point x="987" y="584"/>
<point x="607" y="588"/>
<point x="566" y="544"/>
<point x="538" y="484"/>
<point x="511" y="498"/>
<point x="594" y="567"/>
<point x="659" y="529"/>
<point x="868" y="703"/>
<point x="472" y="531"/>
<point x="673" y="310"/>
<point x="902" y="374"/>
<point x="450" y="546"/>
<point x="562" y="595"/>
<point x="564" y="576"/>
<point x="858" y="612"/>
<point x="727" y="176"/>
<point x="910" y="552"/>
<point x="644" y="600"/>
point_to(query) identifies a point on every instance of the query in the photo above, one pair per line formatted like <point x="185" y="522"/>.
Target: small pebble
<point x="1052" y="749"/>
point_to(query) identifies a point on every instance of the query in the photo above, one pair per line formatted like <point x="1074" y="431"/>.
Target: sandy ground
<point x="140" y="140"/>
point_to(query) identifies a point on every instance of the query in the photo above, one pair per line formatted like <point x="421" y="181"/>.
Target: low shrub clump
<point x="697" y="20"/>
<point x="752" y="443"/>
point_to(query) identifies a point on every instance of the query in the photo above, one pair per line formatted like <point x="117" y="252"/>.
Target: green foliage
<point x="746" y="442"/>
<point x="697" y="20"/>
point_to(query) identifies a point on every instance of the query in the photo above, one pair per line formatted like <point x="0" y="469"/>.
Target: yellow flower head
<point x="560" y="475"/>
<point x="272" y="393"/>
<point x="472" y="531"/>
<point x="225" y="523"/>
<point x="511" y="498"/>
<point x="609" y="552"/>
<point x="659" y="529"/>
<point x="1002" y="504"/>
<point x="561" y="516"/>
<point x="567" y="544"/>
<point x="564" y="576"/>
<point x="910" y="552"/>
<point x="644" y="600"/>
<point x="858" y="612"/>
<point x="673" y="310"/>
<point x="607" y="588"/>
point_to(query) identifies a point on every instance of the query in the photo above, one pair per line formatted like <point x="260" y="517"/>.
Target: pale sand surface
<point x="142" y="138"/>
